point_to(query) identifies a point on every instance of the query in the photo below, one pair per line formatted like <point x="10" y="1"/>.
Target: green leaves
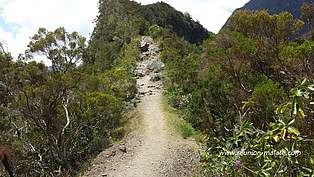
<point x="64" y="50"/>
<point x="307" y="12"/>
<point x="294" y="131"/>
<point x="245" y="44"/>
<point x="70" y="109"/>
<point x="309" y="171"/>
<point x="276" y="138"/>
<point x="183" y="25"/>
<point x="263" y="26"/>
<point x="247" y="91"/>
<point x="299" y="96"/>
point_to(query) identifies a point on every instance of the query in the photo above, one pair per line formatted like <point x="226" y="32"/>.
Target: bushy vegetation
<point x="54" y="119"/>
<point x="250" y="90"/>
<point x="121" y="20"/>
<point x="117" y="24"/>
<point x="181" y="126"/>
<point x="182" y="24"/>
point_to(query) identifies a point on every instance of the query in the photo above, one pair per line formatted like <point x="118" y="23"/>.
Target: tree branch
<point x="65" y="107"/>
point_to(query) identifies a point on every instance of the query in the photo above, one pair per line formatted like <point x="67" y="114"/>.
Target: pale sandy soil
<point x="152" y="149"/>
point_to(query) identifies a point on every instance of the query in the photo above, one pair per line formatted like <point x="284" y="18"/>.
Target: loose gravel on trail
<point x="151" y="150"/>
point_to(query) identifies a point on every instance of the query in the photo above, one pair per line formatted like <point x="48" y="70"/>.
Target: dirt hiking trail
<point x="152" y="150"/>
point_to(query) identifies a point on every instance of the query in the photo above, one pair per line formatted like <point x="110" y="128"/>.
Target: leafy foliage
<point x="56" y="118"/>
<point x="249" y="89"/>
<point x="183" y="25"/>
<point x="119" y="21"/>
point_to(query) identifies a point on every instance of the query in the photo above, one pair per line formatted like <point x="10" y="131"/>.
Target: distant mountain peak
<point x="276" y="7"/>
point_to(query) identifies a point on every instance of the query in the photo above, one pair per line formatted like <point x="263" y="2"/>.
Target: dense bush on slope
<point x="119" y="21"/>
<point x="117" y="24"/>
<point x="277" y="6"/>
<point x="296" y="8"/>
<point x="250" y="88"/>
<point x="183" y="25"/>
<point x="55" y="119"/>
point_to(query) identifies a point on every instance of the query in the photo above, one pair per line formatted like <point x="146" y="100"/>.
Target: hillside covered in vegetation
<point x="55" y="119"/>
<point x="248" y="91"/>
<point x="298" y="9"/>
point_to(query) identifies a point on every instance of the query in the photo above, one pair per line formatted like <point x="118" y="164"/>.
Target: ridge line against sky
<point x="20" y="19"/>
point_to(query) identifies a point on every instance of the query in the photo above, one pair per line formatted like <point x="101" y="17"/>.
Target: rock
<point x="104" y="175"/>
<point x="122" y="148"/>
<point x="155" y="78"/>
<point x="147" y="72"/>
<point x="156" y="66"/>
<point x="154" y="48"/>
<point x="139" y="74"/>
<point x="142" y="93"/>
<point x="144" y="56"/>
<point x="111" y="154"/>
<point x="144" y="47"/>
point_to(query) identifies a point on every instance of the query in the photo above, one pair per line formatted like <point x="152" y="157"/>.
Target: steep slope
<point x="119" y="21"/>
<point x="164" y="15"/>
<point x="276" y="7"/>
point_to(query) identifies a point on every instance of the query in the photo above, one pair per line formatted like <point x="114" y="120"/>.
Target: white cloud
<point x="14" y="42"/>
<point x="78" y="15"/>
<point x="74" y="15"/>
<point x="211" y="13"/>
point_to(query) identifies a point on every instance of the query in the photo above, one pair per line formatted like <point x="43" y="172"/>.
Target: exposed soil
<point x="151" y="150"/>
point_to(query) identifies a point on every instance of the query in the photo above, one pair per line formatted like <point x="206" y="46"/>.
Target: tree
<point x="57" y="117"/>
<point x="162" y="14"/>
<point x="44" y="95"/>
<point x="307" y="15"/>
<point x="249" y="93"/>
<point x="117" y="23"/>
<point x="273" y="30"/>
<point x="65" y="50"/>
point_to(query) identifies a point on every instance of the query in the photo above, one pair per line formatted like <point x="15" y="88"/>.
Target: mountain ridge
<point x="183" y="24"/>
<point x="276" y="7"/>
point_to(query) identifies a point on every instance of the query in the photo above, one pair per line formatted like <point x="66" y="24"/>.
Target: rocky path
<point x="151" y="150"/>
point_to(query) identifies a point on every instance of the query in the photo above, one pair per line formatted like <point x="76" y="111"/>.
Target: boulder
<point x="144" y="47"/>
<point x="139" y="74"/>
<point x="144" y="56"/>
<point x="122" y="148"/>
<point x="155" y="78"/>
<point x="156" y="66"/>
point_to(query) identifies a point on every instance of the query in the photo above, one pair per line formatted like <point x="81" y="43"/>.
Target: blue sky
<point x="11" y="27"/>
<point x="20" y="19"/>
